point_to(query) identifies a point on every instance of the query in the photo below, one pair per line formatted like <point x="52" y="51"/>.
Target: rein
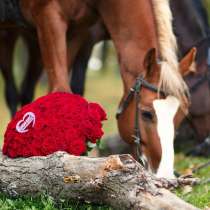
<point x="200" y="81"/>
<point x="135" y="93"/>
<point x="199" y="42"/>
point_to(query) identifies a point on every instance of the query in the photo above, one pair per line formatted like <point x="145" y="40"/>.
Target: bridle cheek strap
<point x="137" y="133"/>
<point x="135" y="93"/>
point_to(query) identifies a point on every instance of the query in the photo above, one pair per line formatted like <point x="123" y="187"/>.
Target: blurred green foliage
<point x="207" y="6"/>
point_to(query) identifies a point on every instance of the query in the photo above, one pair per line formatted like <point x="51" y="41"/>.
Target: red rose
<point x="56" y="122"/>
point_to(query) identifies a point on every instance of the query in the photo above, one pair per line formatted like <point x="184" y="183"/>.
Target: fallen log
<point x="118" y="181"/>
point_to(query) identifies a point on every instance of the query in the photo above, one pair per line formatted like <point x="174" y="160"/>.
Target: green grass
<point x="45" y="203"/>
<point x="105" y="88"/>
<point x="200" y="194"/>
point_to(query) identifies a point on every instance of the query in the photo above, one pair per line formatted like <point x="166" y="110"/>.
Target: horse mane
<point x="171" y="80"/>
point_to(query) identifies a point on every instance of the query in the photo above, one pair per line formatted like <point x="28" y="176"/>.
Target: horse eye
<point x="147" y="115"/>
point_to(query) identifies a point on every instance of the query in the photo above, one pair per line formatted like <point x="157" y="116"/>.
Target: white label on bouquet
<point x="28" y="119"/>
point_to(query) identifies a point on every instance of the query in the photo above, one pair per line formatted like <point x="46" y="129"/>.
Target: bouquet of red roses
<point x="56" y="122"/>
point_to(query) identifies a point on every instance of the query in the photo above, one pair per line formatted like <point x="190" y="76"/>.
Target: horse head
<point x="148" y="116"/>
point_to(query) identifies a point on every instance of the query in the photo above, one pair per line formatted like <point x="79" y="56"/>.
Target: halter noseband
<point x="134" y="92"/>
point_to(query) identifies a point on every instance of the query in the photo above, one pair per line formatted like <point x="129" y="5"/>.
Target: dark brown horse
<point x="192" y="29"/>
<point x="146" y="48"/>
<point x="7" y="43"/>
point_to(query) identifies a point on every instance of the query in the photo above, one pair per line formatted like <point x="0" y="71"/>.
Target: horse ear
<point x="187" y="64"/>
<point x="149" y="61"/>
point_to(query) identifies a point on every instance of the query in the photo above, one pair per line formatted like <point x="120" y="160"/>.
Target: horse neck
<point x="190" y="23"/>
<point x="129" y="37"/>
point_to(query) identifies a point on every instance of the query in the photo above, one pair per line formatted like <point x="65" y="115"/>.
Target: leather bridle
<point x="135" y="93"/>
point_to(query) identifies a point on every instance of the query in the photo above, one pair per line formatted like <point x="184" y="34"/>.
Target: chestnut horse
<point x="146" y="47"/>
<point x="192" y="29"/>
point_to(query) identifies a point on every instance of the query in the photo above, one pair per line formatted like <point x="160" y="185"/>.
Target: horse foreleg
<point x="80" y="68"/>
<point x="52" y="29"/>
<point x="95" y="34"/>
<point x="33" y="71"/>
<point x="6" y="61"/>
<point x="80" y="48"/>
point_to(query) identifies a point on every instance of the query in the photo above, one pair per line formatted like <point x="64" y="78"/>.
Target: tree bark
<point x="118" y="181"/>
